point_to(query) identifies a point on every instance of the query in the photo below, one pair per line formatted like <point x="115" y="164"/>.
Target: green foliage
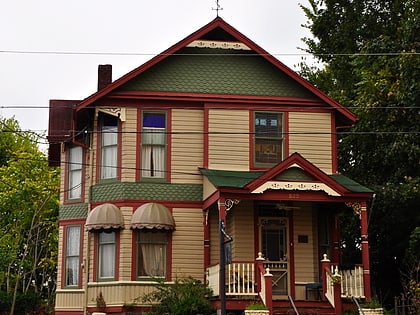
<point x="369" y="56"/>
<point x="28" y="218"/>
<point x="256" y="306"/>
<point x="183" y="297"/>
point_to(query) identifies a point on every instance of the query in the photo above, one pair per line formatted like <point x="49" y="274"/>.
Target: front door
<point x="273" y="245"/>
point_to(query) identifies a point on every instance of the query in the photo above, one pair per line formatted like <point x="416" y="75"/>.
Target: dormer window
<point x="268" y="138"/>
<point x="153" y="145"/>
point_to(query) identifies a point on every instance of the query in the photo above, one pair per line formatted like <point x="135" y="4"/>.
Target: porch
<point x="247" y="281"/>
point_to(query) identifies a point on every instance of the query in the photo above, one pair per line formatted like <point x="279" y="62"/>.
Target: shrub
<point x="183" y="297"/>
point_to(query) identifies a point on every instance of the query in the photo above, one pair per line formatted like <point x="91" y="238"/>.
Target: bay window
<point x="152" y="247"/>
<point x="153" y="145"/>
<point x="75" y="163"/>
<point x="106" y="255"/>
<point x="72" y="256"/>
<point x="109" y="147"/>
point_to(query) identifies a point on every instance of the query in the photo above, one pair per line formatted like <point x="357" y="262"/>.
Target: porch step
<point x="304" y="308"/>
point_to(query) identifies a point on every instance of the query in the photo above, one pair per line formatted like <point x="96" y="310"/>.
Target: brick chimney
<point x="104" y="76"/>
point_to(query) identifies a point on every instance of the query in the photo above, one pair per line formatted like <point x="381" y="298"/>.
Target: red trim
<point x="96" y="257"/>
<point x="286" y="138"/>
<point x="217" y="23"/>
<point x="68" y="312"/>
<point x="206" y="138"/>
<point x="138" y="145"/>
<point x="134" y="255"/>
<point x="119" y="150"/>
<point x="308" y="167"/>
<point x="291" y="257"/>
<point x="334" y="150"/>
<point x="206" y="237"/>
<point x="168" y="149"/>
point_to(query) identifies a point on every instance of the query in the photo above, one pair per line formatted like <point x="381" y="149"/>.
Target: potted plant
<point x="371" y="308"/>
<point x="256" y="309"/>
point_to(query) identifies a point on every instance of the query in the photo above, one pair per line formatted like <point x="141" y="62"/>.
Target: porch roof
<point x="239" y="179"/>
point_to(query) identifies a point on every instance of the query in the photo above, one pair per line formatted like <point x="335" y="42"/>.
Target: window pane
<point x="109" y="151"/>
<point x="153" y="140"/>
<point x="151" y="253"/>
<point x="72" y="255"/>
<point x="268" y="139"/>
<point x="75" y="172"/>
<point x="106" y="254"/>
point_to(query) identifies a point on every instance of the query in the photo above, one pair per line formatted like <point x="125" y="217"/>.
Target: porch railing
<point x="240" y="279"/>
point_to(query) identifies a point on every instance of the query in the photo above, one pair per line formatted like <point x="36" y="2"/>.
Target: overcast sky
<point x="31" y="31"/>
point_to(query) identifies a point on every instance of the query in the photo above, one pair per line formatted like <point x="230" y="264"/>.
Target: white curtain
<point x="75" y="172"/>
<point x="153" y="152"/>
<point x="106" y="255"/>
<point x="72" y="255"/>
<point x="152" y="253"/>
<point x="109" y="156"/>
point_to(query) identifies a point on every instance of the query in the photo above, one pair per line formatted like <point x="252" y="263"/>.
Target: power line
<point x="45" y="52"/>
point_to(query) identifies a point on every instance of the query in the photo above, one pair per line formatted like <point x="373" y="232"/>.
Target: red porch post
<point x="222" y="259"/>
<point x="365" y="250"/>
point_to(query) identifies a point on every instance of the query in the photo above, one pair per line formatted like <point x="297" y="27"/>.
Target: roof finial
<point x="218" y="8"/>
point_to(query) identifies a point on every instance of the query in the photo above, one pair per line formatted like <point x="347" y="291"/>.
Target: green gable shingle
<point x="217" y="71"/>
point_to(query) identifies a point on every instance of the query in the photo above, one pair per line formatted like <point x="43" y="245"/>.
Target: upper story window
<point x="106" y="255"/>
<point x="109" y="147"/>
<point x="75" y="163"/>
<point x="153" y="145"/>
<point x="72" y="256"/>
<point x="268" y="138"/>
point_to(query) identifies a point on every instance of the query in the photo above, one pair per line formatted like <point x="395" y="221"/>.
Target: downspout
<point x="91" y="155"/>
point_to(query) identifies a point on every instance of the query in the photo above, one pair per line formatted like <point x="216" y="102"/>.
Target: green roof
<point x="239" y="179"/>
<point x="350" y="184"/>
<point x="236" y="179"/>
<point x="217" y="71"/>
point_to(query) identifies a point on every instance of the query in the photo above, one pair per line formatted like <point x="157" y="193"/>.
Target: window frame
<point x="280" y="136"/>
<point x="67" y="239"/>
<point x="165" y="259"/>
<point x="113" y="255"/>
<point x="163" y="145"/>
<point x="71" y="170"/>
<point x="102" y="147"/>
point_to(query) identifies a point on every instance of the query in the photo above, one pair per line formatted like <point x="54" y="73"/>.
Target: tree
<point x="28" y="216"/>
<point x="369" y="50"/>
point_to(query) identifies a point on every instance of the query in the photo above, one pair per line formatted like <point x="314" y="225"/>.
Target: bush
<point x="183" y="297"/>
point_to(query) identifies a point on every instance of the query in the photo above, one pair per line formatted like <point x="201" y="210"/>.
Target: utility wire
<point x="186" y="54"/>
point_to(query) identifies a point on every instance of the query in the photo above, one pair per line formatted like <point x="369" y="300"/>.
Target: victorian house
<point x="212" y="160"/>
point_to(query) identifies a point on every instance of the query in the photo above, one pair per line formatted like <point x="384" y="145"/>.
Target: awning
<point x="152" y="216"/>
<point x="105" y="216"/>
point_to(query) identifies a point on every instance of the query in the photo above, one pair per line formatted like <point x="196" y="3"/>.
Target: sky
<point x="51" y="49"/>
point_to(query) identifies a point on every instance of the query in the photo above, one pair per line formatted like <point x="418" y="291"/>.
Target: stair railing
<point x="293" y="305"/>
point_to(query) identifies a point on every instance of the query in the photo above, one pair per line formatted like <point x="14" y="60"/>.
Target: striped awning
<point x="152" y="216"/>
<point x="105" y="216"/>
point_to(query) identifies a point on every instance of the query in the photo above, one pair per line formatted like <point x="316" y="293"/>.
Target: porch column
<point x="365" y="250"/>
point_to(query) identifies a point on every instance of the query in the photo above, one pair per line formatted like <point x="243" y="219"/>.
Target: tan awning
<point x="106" y="216"/>
<point x="152" y="216"/>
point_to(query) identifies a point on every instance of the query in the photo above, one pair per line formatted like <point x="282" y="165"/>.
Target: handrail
<point x="293" y="304"/>
<point x="358" y="305"/>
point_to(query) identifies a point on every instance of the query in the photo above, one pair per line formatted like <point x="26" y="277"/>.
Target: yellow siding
<point x="229" y="147"/>
<point x="317" y="148"/>
<point x="187" y="243"/>
<point x="187" y="146"/>
<point x="305" y="264"/>
<point x="129" y="147"/>
<point x="69" y="300"/>
<point x="241" y="221"/>
<point x="213" y="221"/>
<point x="126" y="237"/>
